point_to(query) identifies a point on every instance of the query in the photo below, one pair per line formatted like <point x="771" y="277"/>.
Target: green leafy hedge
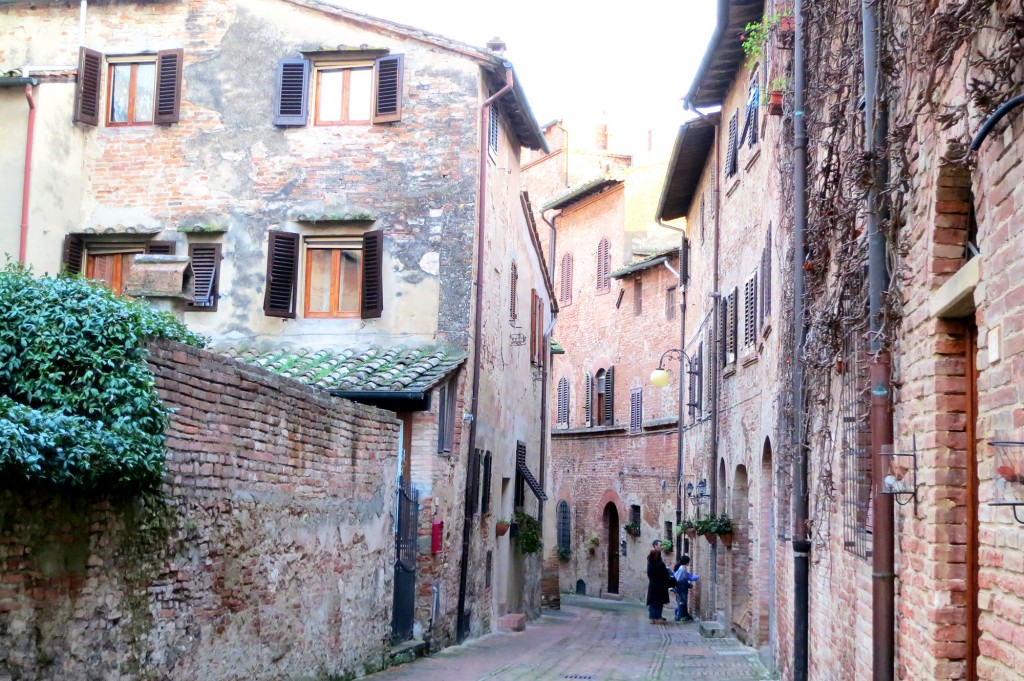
<point x="78" y="405"/>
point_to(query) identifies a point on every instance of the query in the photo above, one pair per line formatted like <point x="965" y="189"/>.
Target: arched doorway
<point x="766" y="549"/>
<point x="742" y="612"/>
<point x="611" y="523"/>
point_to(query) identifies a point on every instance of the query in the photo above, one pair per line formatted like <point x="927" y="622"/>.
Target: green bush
<point x="529" y="536"/>
<point x="78" y="405"/>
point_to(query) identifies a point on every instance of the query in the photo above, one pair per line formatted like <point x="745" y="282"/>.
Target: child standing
<point x="684" y="580"/>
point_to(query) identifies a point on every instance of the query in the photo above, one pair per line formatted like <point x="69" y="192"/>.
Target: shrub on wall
<point x="78" y="405"/>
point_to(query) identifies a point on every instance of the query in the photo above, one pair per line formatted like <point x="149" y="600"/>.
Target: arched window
<point x="562" y="518"/>
<point x="513" y="285"/>
<point x="605" y="397"/>
<point x="565" y="289"/>
<point x="604" y="266"/>
<point x="563" y="401"/>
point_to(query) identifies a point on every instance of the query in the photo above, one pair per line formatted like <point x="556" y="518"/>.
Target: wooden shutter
<point x="603" y="265"/>
<point x="485" y="502"/>
<point x="87" y="89"/>
<point x="731" y="324"/>
<point x="161" y="248"/>
<point x="684" y="262"/>
<point x="168" y="86"/>
<point x="282" y="274"/>
<point x="700" y="378"/>
<point x="636" y="401"/>
<point x="372" y="306"/>
<point x="766" y="279"/>
<point x="638" y="296"/>
<point x="291" y="96"/>
<point x="731" y="162"/>
<point x="74" y="254"/>
<point x="588" y="400"/>
<point x="609" y="397"/>
<point x="563" y="401"/>
<point x="565" y="291"/>
<point x="387" y="88"/>
<point x="533" y="326"/>
<point x="670" y="303"/>
<point x="513" y="284"/>
<point x="473" y="483"/>
<point x="750" y="311"/>
<point x="206" y="276"/>
<point x="693" y="386"/>
<point x="723" y="329"/>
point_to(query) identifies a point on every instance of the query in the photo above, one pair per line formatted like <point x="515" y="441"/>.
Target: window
<point x="485" y="502"/>
<point x="355" y="91"/>
<point x="206" y="276"/>
<point x="638" y="296"/>
<point x="670" y="303"/>
<point x="538" y="351"/>
<point x="731" y="326"/>
<point x="696" y="382"/>
<point x="492" y="131"/>
<point x="600" y="396"/>
<point x="588" y="400"/>
<point x="333" y="272"/>
<point x="109" y="263"/>
<point x="634" y="514"/>
<point x="854" y="412"/>
<point x="604" y="284"/>
<point x="750" y="122"/>
<point x="563" y="402"/>
<point x="343" y="277"/>
<point x="141" y="90"/>
<point x="750" y="311"/>
<point x="766" y="279"/>
<point x="732" y="152"/>
<point x="562" y="520"/>
<point x="446" y="403"/>
<point x="343" y="93"/>
<point x="473" y="482"/>
<point x="605" y="380"/>
<point x="636" y="410"/>
<point x="513" y="287"/>
<point x="565" y="288"/>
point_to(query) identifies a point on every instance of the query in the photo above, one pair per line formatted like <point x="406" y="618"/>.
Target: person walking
<point x="684" y="581"/>
<point x="659" y="580"/>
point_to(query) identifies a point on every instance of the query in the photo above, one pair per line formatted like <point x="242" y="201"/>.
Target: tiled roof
<point x="374" y="369"/>
<point x="648" y="262"/>
<point x="579" y="192"/>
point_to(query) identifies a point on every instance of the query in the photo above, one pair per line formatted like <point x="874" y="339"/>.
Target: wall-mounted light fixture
<point x="1009" y="476"/>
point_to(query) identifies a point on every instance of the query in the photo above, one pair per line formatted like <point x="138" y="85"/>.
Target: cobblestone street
<point x="589" y="639"/>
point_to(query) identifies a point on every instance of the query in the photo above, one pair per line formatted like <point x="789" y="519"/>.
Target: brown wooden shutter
<point x="291" y="96"/>
<point x="533" y="326"/>
<point x="87" y="89"/>
<point x="565" y="291"/>
<point x="387" y="88"/>
<point x="609" y="397"/>
<point x="563" y="401"/>
<point x="168" y="86"/>
<point x="74" y="253"/>
<point x="684" y="262"/>
<point x="282" y="275"/>
<point x="750" y="311"/>
<point x="588" y="400"/>
<point x="373" y="275"/>
<point x="485" y="502"/>
<point x="723" y="329"/>
<point x="542" y="349"/>
<point x="513" y="284"/>
<point x="700" y="379"/>
<point x="731" y="161"/>
<point x="733" y="323"/>
<point x="206" y="276"/>
<point x="161" y="248"/>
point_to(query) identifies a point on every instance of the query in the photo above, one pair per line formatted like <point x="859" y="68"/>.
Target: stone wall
<point x="268" y="554"/>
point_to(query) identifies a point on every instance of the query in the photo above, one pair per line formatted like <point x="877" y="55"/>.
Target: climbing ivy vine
<point x="78" y="405"/>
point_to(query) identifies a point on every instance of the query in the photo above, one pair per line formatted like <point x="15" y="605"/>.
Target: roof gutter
<point x="26" y="184"/>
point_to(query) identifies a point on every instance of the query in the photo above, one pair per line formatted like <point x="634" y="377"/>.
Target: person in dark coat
<point x="658" y="584"/>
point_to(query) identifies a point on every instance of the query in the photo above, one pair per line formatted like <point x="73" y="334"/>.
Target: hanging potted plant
<point x="632" y="528"/>
<point x="688" y="528"/>
<point x="666" y="546"/>
<point x="723" y="529"/>
<point x="501" y="527"/>
<point x="774" y="95"/>
<point x="706" y="527"/>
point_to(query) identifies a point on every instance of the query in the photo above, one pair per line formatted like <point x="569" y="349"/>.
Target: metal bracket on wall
<point x="901" y="480"/>
<point x="1009" y="476"/>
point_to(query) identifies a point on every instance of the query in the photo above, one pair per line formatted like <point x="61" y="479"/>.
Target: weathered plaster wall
<point x="269" y="555"/>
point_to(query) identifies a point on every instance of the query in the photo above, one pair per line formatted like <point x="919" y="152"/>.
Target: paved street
<point x="589" y="639"/>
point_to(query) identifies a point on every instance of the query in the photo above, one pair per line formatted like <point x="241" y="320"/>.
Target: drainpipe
<point x="716" y="194"/>
<point x="27" y="181"/>
<point x="883" y="596"/>
<point x="801" y="511"/>
<point x="478" y="305"/>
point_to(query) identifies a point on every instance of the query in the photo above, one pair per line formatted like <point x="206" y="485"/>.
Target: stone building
<point x="951" y="323"/>
<point x="318" y="191"/>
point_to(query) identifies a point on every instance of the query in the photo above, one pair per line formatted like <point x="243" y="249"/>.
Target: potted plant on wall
<point x="688" y="527"/>
<point x="774" y="95"/>
<point x="529" y="536"/>
<point x="723" y="529"/>
<point x="632" y="528"/>
<point x="706" y="527"/>
<point x="564" y="553"/>
<point x="501" y="527"/>
<point x="593" y="543"/>
<point x="666" y="546"/>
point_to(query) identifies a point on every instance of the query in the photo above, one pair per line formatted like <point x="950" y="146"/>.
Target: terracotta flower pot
<point x="501" y="528"/>
<point x="787" y="24"/>
<point x="710" y="536"/>
<point x="726" y="539"/>
<point x="775" y="102"/>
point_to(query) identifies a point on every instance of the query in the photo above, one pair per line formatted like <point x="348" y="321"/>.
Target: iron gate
<point x="405" y="563"/>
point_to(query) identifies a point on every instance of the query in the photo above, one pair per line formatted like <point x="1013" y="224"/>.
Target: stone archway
<point x="611" y="525"/>
<point x="742" y="610"/>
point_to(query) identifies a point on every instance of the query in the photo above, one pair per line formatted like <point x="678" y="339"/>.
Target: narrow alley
<point x="593" y="639"/>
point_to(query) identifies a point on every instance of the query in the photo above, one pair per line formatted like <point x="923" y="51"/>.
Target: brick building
<point x="951" y="325"/>
<point x="316" y="186"/>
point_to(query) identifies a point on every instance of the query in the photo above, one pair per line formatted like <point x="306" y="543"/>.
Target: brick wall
<point x="268" y="555"/>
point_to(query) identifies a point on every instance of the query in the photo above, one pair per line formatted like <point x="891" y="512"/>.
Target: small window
<point x="634" y="514"/>
<point x="492" y="131"/>
<point x="636" y="410"/>
<point x="344" y="93"/>
<point x="562" y="519"/>
<point x="485" y="503"/>
<point x="520" y="490"/>
<point x="446" y="399"/>
<point x="132" y="92"/>
<point x="638" y="297"/>
<point x="333" y="277"/>
<point x="670" y="303"/>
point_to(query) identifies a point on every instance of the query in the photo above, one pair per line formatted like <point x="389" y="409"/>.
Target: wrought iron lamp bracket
<point x="1009" y="470"/>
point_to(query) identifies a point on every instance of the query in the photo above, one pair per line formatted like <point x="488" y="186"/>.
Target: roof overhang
<point x="517" y="110"/>
<point x="392" y="400"/>
<point x="724" y="55"/>
<point x="580" y="192"/>
<point x="686" y="165"/>
<point x="642" y="265"/>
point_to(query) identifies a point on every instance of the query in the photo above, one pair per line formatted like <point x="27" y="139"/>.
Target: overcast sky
<point x="631" y="60"/>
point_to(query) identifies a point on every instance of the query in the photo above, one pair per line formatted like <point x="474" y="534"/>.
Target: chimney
<point x="497" y="45"/>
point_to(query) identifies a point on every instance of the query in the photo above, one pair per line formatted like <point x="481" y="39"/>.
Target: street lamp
<point x="660" y="379"/>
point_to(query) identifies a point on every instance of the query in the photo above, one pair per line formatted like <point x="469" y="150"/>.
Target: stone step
<point x="512" y="622"/>
<point x="712" y="629"/>
<point x="407" y="651"/>
<point x="611" y="597"/>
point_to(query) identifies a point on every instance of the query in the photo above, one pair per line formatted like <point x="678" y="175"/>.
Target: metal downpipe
<point x="26" y="185"/>
<point x="883" y="595"/>
<point x="801" y="545"/>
